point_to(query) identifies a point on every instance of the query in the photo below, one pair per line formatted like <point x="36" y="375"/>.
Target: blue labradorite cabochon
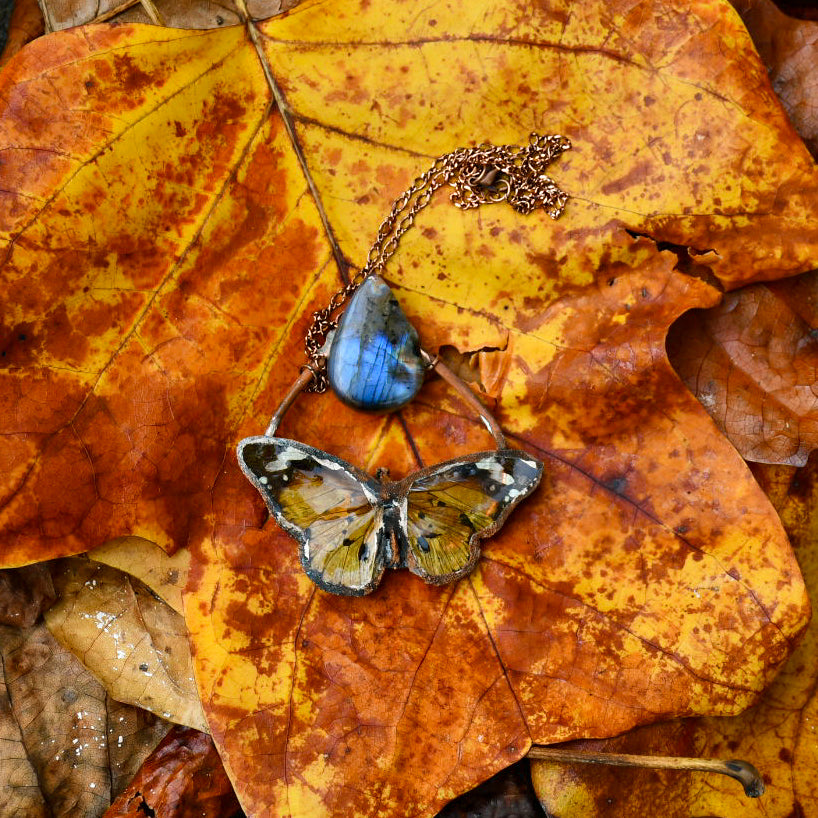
<point x="374" y="361"/>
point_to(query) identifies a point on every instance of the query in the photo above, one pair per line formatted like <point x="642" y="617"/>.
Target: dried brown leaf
<point x="192" y="14"/>
<point x="26" y="23"/>
<point x="133" y="733"/>
<point x="752" y="361"/>
<point x="182" y="778"/>
<point x="789" y="48"/>
<point x="20" y="793"/>
<point x="131" y="640"/>
<point x="68" y="747"/>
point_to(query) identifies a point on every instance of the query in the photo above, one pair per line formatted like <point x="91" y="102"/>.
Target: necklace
<point x="351" y="526"/>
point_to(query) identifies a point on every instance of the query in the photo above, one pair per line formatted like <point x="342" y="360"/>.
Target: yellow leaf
<point x="164" y="574"/>
<point x="134" y="643"/>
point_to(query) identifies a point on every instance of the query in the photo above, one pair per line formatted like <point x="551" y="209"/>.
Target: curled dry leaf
<point x="777" y="735"/>
<point x="133" y="642"/>
<point x="182" y="778"/>
<point x="753" y="363"/>
<point x="789" y="48"/>
<point x="66" y="748"/>
<point x="179" y="250"/>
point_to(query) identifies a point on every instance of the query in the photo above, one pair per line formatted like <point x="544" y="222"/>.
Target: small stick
<point x="742" y="771"/>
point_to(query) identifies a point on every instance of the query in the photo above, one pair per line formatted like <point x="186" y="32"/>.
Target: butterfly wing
<point x="330" y="507"/>
<point x="451" y="507"/>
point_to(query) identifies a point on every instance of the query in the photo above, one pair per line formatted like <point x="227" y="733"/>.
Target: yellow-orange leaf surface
<point x="165" y="252"/>
<point x="777" y="734"/>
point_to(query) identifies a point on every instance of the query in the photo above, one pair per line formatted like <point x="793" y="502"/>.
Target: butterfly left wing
<point x="328" y="506"/>
<point x="452" y="506"/>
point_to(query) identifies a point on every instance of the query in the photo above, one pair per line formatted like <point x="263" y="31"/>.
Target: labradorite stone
<point x="374" y="361"/>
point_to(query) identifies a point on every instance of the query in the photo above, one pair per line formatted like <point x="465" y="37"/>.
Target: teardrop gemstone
<point x="374" y="361"/>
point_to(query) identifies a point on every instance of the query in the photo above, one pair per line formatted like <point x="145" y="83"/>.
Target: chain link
<point x="483" y="175"/>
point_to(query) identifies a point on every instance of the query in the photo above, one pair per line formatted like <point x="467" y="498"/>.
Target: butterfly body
<point x="351" y="527"/>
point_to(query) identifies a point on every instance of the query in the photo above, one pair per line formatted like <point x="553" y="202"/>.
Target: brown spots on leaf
<point x="131" y="76"/>
<point x="17" y="345"/>
<point x="636" y="177"/>
<point x="66" y="342"/>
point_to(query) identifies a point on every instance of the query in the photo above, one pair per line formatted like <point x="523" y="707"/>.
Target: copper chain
<point x="482" y="175"/>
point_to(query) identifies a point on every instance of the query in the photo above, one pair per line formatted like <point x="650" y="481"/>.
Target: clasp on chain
<point x="494" y="184"/>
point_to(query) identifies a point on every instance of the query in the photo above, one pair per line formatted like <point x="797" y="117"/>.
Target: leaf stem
<point x="287" y="119"/>
<point x="742" y="771"/>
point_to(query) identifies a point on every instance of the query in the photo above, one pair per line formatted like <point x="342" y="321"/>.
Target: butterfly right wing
<point x="450" y="507"/>
<point x="330" y="507"/>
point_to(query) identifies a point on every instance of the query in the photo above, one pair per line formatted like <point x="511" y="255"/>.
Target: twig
<point x="742" y="771"/>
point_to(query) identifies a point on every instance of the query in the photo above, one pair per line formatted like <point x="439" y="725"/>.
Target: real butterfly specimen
<point x="350" y="527"/>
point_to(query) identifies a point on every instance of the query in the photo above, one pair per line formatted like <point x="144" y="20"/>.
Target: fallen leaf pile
<point x="68" y="748"/>
<point x="175" y="204"/>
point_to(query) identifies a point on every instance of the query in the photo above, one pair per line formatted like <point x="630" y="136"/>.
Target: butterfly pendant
<point x="350" y="526"/>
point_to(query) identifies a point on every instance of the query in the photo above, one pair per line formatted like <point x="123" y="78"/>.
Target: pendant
<point x="375" y="362"/>
<point x="351" y="526"/>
